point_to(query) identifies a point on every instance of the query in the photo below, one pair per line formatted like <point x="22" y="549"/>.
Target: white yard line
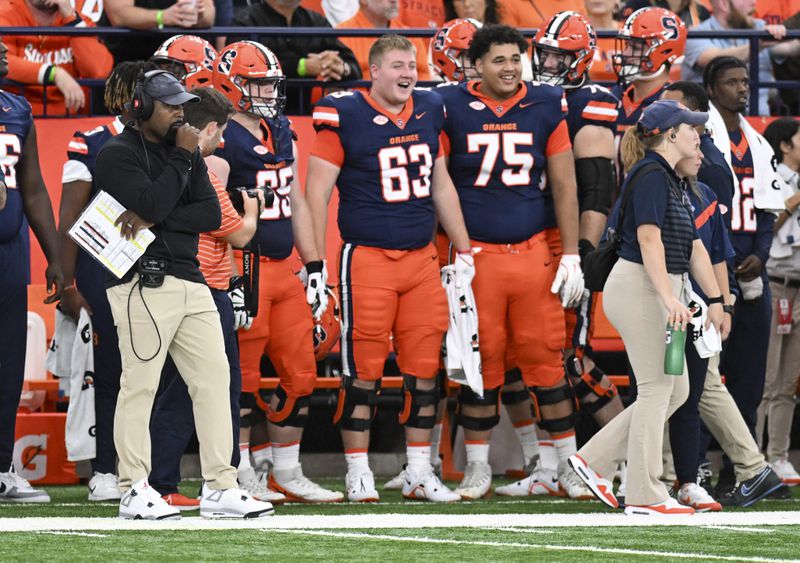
<point x="740" y="529"/>
<point x="538" y="546"/>
<point x="82" y="534"/>
<point x="409" y="521"/>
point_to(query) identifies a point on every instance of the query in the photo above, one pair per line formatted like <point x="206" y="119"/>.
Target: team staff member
<point x="382" y="150"/>
<point x="659" y="247"/>
<point x="505" y="213"/>
<point x="168" y="308"/>
<point x="25" y="196"/>
<point x="86" y="277"/>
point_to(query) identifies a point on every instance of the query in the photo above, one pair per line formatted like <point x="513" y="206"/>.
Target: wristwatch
<point x="728" y="309"/>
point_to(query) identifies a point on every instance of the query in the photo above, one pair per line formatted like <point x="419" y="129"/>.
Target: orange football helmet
<point x="650" y="40"/>
<point x="251" y="77"/>
<point x="184" y="54"/>
<point x="563" y="50"/>
<point x="328" y="330"/>
<point x="448" y="50"/>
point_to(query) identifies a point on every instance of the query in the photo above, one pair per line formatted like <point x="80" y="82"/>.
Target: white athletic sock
<point x="548" y="458"/>
<point x="286" y="456"/>
<point x="262" y="455"/>
<point x="436" y="437"/>
<point x="244" y="453"/>
<point x="565" y="445"/>
<point x="357" y="461"/>
<point x="418" y="455"/>
<point x="526" y="434"/>
<point x="477" y="450"/>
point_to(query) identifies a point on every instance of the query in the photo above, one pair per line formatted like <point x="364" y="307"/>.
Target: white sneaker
<point x="361" y="487"/>
<point x="396" y="482"/>
<point x="427" y="486"/>
<point x="296" y="487"/>
<point x="142" y="502"/>
<point x="103" y="486"/>
<point x="477" y="481"/>
<point x="13" y="488"/>
<point x="670" y="507"/>
<point x="232" y="503"/>
<point x="786" y="471"/>
<point x="540" y="482"/>
<point x="573" y="485"/>
<point x="691" y="494"/>
<point x="602" y="488"/>
<point x="256" y="486"/>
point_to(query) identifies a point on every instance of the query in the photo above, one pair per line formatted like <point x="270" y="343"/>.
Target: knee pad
<point x="552" y="396"/>
<point x="510" y="396"/>
<point x="597" y="180"/>
<point x="256" y="414"/>
<point x="590" y="384"/>
<point x="414" y="400"/>
<point x="512" y="376"/>
<point x="287" y="411"/>
<point x="491" y="397"/>
<point x="351" y="397"/>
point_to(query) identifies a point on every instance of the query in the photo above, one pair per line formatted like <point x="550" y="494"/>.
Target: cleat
<point x="669" y="507"/>
<point x="14" y="488"/>
<point x="296" y="487"/>
<point x="182" y="502"/>
<point x="396" y="482"/>
<point x="142" y="502"/>
<point x="542" y="482"/>
<point x="257" y="488"/>
<point x="477" y="481"/>
<point x="601" y="487"/>
<point x="750" y="491"/>
<point x="427" y="487"/>
<point x="692" y="494"/>
<point x="786" y="472"/>
<point x="232" y="503"/>
<point x="103" y="486"/>
<point x="361" y="487"/>
<point x="572" y="485"/>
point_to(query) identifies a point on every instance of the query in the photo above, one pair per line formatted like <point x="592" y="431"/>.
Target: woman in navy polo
<point x="645" y="293"/>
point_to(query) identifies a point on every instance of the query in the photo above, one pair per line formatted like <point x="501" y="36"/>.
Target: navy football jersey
<point x="386" y="162"/>
<point x="15" y="124"/>
<point x="498" y="153"/>
<point x="83" y="149"/>
<point x="591" y="104"/>
<point x="256" y="163"/>
<point x="629" y="110"/>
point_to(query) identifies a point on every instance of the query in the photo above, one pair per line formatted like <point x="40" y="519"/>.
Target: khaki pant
<point x="637" y="434"/>
<point x="722" y="417"/>
<point x="189" y="329"/>
<point x="783" y="369"/>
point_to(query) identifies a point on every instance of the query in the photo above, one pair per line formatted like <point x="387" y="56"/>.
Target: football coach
<point x="162" y="305"/>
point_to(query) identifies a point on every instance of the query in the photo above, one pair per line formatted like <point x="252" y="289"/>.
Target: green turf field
<point x="567" y="530"/>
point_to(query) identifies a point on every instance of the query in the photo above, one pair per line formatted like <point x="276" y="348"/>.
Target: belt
<point x="515" y="248"/>
<point x="784" y="281"/>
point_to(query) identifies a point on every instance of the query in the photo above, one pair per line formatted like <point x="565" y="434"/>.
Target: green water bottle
<point x="676" y="350"/>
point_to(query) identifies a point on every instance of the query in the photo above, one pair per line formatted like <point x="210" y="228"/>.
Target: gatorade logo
<point x="30" y="459"/>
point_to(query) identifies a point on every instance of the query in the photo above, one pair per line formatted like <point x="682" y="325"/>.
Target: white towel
<point x="767" y="190"/>
<point x="789" y="233"/>
<point x="461" y="350"/>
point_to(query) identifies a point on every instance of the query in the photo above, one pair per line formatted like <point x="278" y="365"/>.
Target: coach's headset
<point x="142" y="104"/>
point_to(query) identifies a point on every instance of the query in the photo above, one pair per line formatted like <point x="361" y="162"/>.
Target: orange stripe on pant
<point x="282" y="329"/>
<point x="391" y="293"/>
<point x="517" y="312"/>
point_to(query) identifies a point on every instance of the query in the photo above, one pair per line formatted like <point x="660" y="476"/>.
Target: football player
<point x="26" y="196"/>
<point x="563" y="51"/>
<point x="382" y="151"/>
<point x="503" y="135"/>
<point x="184" y="54"/>
<point x="448" y="50"/>
<point x="259" y="145"/>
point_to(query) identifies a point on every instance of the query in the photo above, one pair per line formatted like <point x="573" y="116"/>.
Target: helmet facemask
<point x="555" y="66"/>
<point x="632" y="60"/>
<point x="264" y="97"/>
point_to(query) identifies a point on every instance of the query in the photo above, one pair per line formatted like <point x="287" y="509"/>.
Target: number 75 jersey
<point x="497" y="155"/>
<point x="386" y="163"/>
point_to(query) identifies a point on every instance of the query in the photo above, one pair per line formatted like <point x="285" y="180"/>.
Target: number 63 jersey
<point x="267" y="163"/>
<point x="15" y="124"/>
<point x="497" y="156"/>
<point x="386" y="162"/>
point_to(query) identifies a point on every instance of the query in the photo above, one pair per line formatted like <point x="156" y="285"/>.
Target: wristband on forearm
<point x="50" y="75"/>
<point x="160" y="19"/>
<point x="301" y="68"/>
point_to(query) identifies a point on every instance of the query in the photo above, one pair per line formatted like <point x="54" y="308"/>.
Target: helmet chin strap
<point x="651" y="76"/>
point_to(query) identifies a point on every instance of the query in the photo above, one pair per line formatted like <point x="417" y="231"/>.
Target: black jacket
<point x="290" y="49"/>
<point x="165" y="185"/>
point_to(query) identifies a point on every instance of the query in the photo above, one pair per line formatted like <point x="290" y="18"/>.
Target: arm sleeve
<point x="649" y="199"/>
<point x="764" y="234"/>
<point x="203" y="213"/>
<point x="121" y="172"/>
<point x="720" y="182"/>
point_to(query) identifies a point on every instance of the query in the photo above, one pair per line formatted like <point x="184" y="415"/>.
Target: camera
<point x="238" y="199"/>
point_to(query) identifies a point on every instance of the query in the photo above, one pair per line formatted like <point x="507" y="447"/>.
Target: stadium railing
<point x="753" y="36"/>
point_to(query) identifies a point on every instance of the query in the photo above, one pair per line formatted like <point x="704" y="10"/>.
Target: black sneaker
<point x="725" y="485"/>
<point x="781" y="493"/>
<point x="753" y="490"/>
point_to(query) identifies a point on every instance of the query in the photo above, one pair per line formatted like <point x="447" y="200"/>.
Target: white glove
<point x="241" y="318"/>
<point x="465" y="267"/>
<point x="569" y="281"/>
<point x="316" y="275"/>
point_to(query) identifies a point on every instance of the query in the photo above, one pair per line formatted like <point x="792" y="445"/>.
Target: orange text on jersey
<point x="404" y="139"/>
<point x="499" y="126"/>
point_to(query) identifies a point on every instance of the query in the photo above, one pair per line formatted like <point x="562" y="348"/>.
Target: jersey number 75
<point x="510" y="143"/>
